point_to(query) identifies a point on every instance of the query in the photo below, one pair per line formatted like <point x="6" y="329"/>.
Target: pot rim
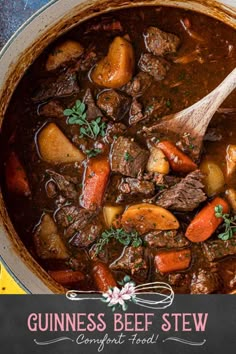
<point x="43" y="281"/>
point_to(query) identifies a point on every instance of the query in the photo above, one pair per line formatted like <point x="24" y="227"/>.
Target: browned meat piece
<point x="132" y="260"/>
<point x="92" y="111"/>
<point x="135" y="113"/>
<point x="105" y="25"/>
<point x="204" y="281"/>
<point x="51" y="189"/>
<point x="86" y="236"/>
<point x="160" y="43"/>
<point x="88" y="60"/>
<point x="213" y="134"/>
<point x="114" y="104"/>
<point x="127" y="157"/>
<point x="178" y="279"/>
<point x="217" y="249"/>
<point x="52" y="109"/>
<point x="227" y="271"/>
<point x="65" y="85"/>
<point x="156" y="67"/>
<point x="131" y="188"/>
<point x="184" y="196"/>
<point x="139" y="84"/>
<point x="168" y="239"/>
<point x="65" y="186"/>
<point x="114" y="130"/>
<point x="80" y="225"/>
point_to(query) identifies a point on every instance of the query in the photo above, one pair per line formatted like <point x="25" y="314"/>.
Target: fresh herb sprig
<point x="125" y="238"/>
<point x="229" y="223"/>
<point x="93" y="152"/>
<point x="77" y="115"/>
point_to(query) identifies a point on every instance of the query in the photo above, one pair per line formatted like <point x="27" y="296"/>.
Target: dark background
<point x="13" y="13"/>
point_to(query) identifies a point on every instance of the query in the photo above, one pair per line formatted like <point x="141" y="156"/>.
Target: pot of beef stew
<point x="89" y="195"/>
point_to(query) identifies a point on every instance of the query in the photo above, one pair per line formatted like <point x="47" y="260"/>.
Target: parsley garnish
<point x="125" y="238"/>
<point x="128" y="157"/>
<point x="93" y="152"/>
<point x="229" y="223"/>
<point x="77" y="115"/>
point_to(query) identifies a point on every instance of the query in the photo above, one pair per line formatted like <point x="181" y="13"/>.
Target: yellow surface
<point x="8" y="284"/>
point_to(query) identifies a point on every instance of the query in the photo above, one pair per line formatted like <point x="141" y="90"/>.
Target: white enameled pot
<point x="57" y="17"/>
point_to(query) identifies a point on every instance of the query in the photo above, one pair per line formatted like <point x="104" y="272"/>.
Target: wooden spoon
<point x="195" y="119"/>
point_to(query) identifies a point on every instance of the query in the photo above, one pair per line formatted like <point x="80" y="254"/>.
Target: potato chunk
<point x="111" y="212"/>
<point x="213" y="177"/>
<point x="48" y="242"/>
<point x="116" y="69"/>
<point x="158" y="162"/>
<point x="145" y="217"/>
<point x="54" y="147"/>
<point x="63" y="53"/>
<point x="231" y="159"/>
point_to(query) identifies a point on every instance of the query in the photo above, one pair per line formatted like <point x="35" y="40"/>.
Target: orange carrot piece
<point x="16" y="178"/>
<point x="96" y="178"/>
<point x="66" y="277"/>
<point x="178" y="161"/>
<point x="103" y="277"/>
<point x="205" y="222"/>
<point x="167" y="262"/>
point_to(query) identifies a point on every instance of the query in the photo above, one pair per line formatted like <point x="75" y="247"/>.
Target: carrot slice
<point x="178" y="161"/>
<point x="66" y="277"/>
<point x="103" y="277"/>
<point x="205" y="222"/>
<point x="16" y="178"/>
<point x="167" y="262"/>
<point x="96" y="178"/>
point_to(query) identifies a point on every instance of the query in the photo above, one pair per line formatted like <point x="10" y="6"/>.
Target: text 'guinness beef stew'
<point x="94" y="193"/>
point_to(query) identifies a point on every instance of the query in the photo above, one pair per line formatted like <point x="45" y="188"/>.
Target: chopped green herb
<point x="77" y="115"/>
<point x="69" y="218"/>
<point x="229" y="223"/>
<point x="93" y="152"/>
<point x="168" y="103"/>
<point x="125" y="238"/>
<point x="128" y="157"/>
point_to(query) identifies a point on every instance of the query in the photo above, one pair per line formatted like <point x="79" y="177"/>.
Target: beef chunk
<point x="132" y="187"/>
<point x="180" y="282"/>
<point x="114" y="130"/>
<point x="81" y="226"/>
<point x="52" y="109"/>
<point x="139" y="84"/>
<point x="168" y="239"/>
<point x="87" y="60"/>
<point x="92" y="111"/>
<point x="156" y="67"/>
<point x="204" y="281"/>
<point x="70" y="215"/>
<point x="160" y="43"/>
<point x="114" y="104"/>
<point x="217" y="249"/>
<point x="64" y="85"/>
<point x="65" y="186"/>
<point x="51" y="189"/>
<point x="132" y="261"/>
<point x="227" y="271"/>
<point x="127" y="157"/>
<point x="86" y="236"/>
<point x="184" y="196"/>
<point x="135" y="113"/>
